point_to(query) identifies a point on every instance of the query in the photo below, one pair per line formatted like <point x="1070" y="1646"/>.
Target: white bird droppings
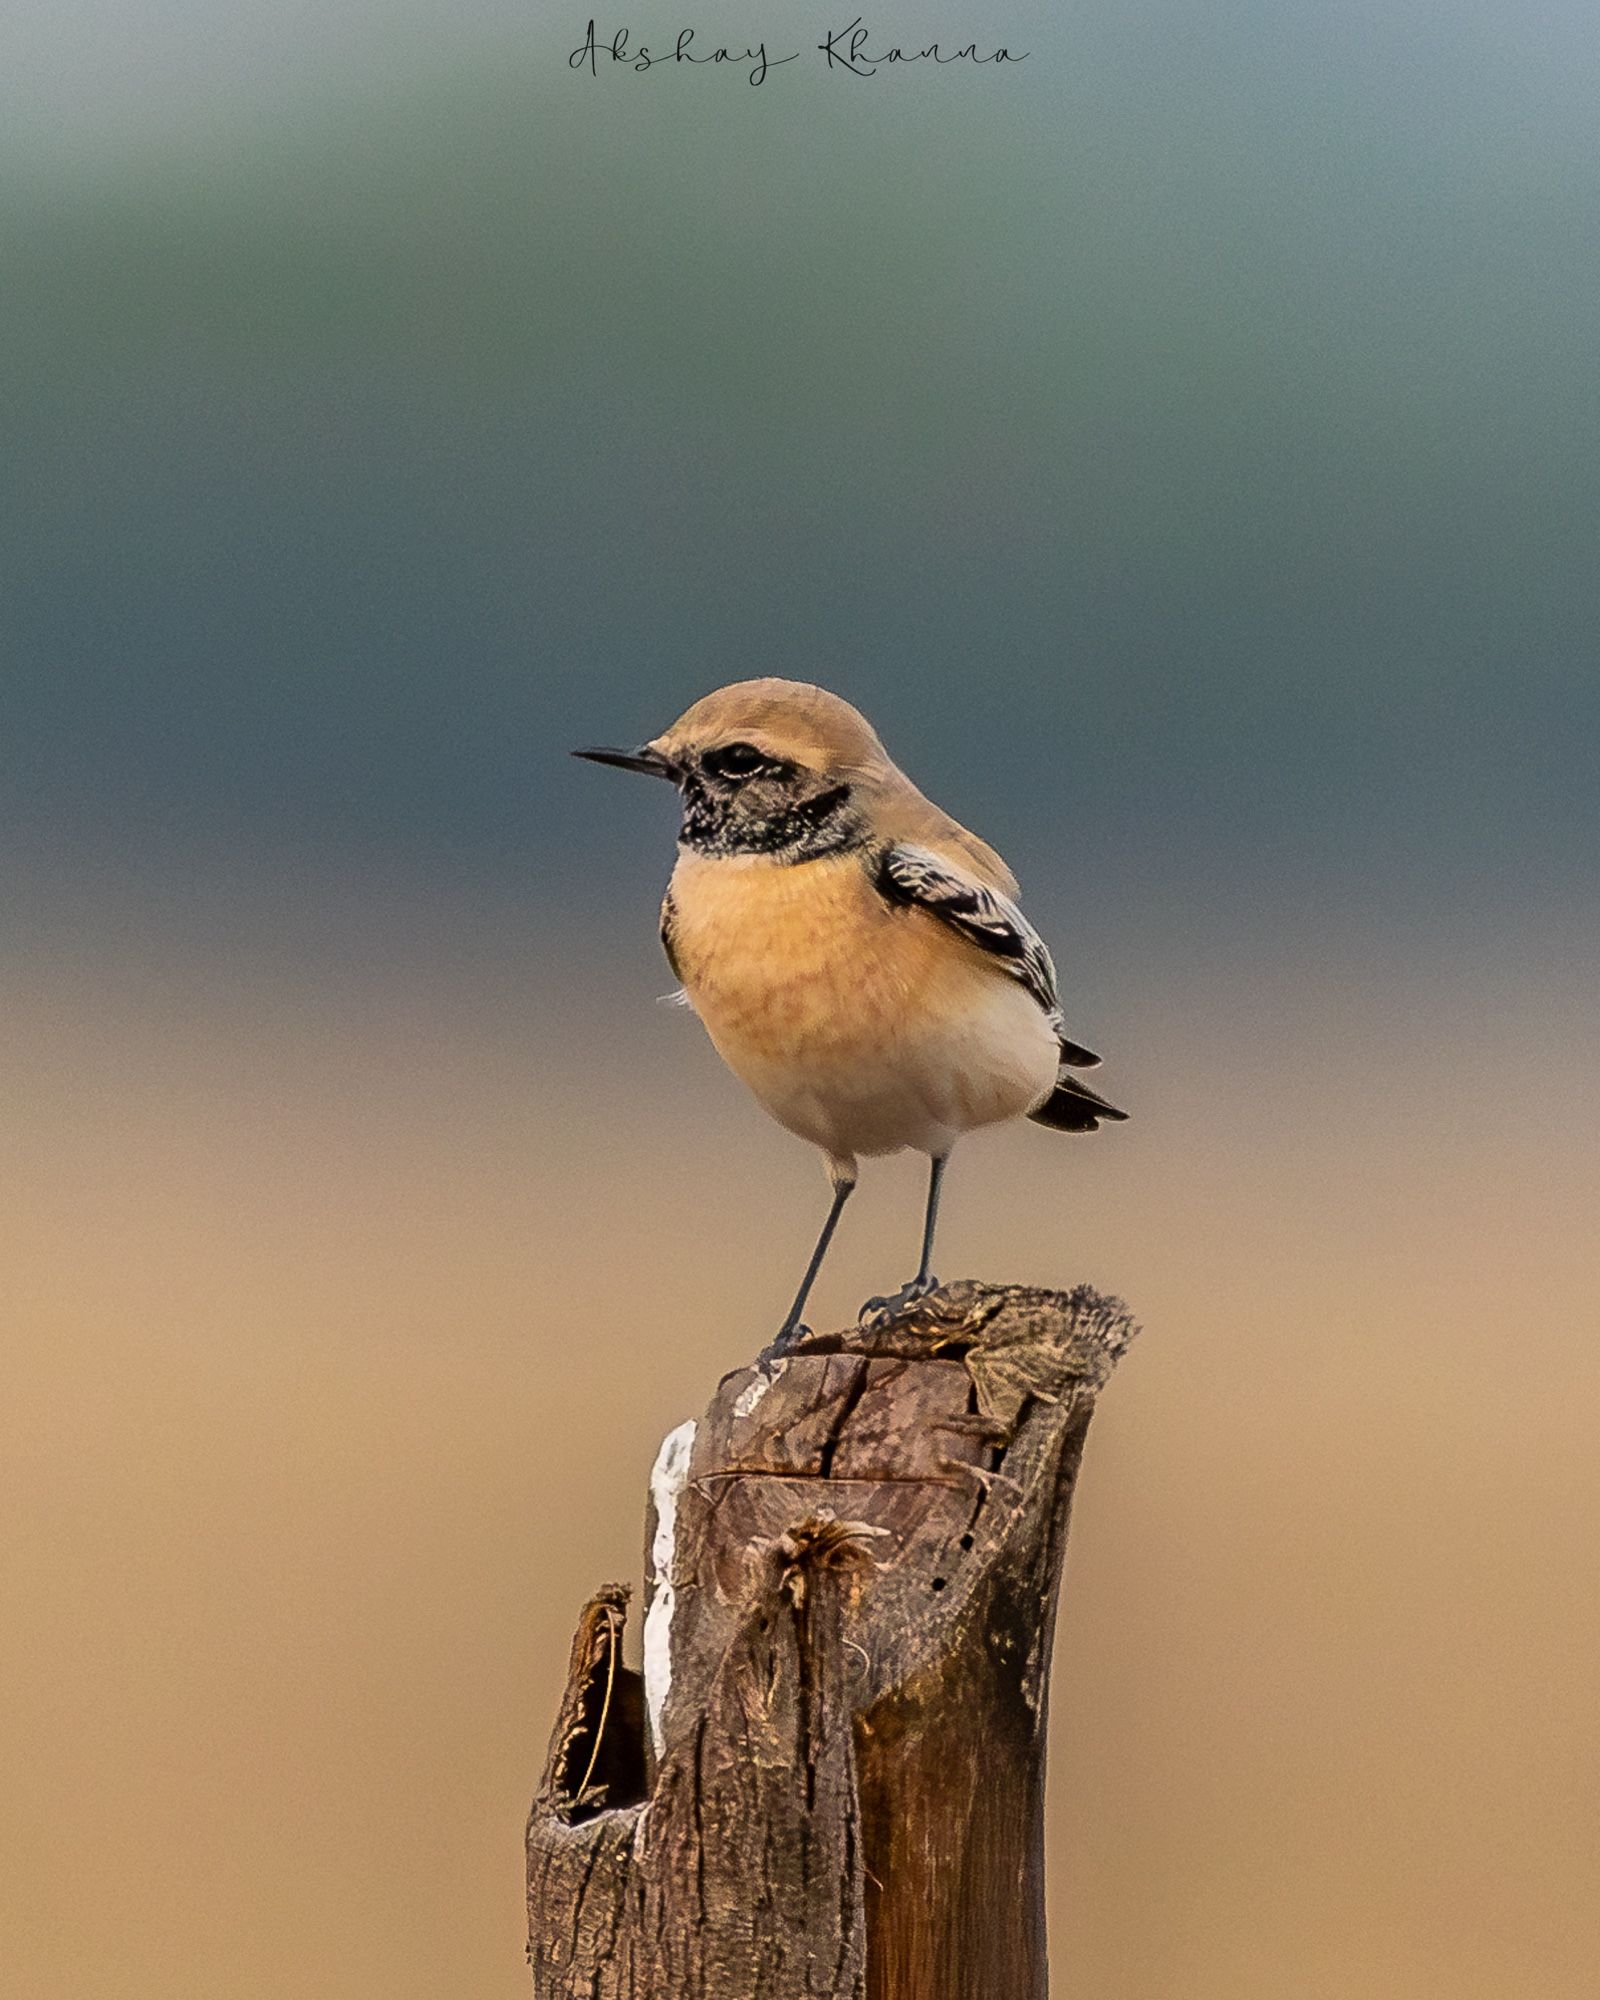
<point x="758" y="1385"/>
<point x="668" y="1477"/>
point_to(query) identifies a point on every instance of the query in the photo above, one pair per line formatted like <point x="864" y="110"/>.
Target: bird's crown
<point x="789" y="721"/>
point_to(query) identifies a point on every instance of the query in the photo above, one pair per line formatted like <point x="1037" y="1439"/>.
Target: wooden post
<point x="828" y="1781"/>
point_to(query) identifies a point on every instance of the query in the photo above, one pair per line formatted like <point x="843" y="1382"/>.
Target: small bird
<point x="856" y="956"/>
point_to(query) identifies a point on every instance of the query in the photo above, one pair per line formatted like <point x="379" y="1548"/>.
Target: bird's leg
<point x="792" y="1327"/>
<point x="925" y="1282"/>
<point x="877" y="1310"/>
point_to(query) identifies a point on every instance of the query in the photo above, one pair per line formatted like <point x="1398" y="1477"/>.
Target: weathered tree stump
<point x="828" y="1782"/>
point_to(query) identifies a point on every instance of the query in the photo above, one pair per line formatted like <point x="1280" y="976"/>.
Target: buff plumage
<point x="855" y="954"/>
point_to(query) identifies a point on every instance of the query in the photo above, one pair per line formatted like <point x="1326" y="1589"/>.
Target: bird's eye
<point x="734" y="760"/>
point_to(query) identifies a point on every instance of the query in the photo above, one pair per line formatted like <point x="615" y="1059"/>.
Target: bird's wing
<point x="983" y="916"/>
<point x="669" y="917"/>
<point x="918" y="877"/>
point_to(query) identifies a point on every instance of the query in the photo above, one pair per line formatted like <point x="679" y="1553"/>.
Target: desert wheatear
<point x="855" y="955"/>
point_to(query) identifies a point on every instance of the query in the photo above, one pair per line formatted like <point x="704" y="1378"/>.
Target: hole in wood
<point x="603" y="1764"/>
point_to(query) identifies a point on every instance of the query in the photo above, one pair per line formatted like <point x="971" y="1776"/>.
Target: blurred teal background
<point x="1183" y="445"/>
<point x="1204" y="410"/>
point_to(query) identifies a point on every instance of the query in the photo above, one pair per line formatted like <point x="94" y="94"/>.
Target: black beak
<point x="645" y="759"/>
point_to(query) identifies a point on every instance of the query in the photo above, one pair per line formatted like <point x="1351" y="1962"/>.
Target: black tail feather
<point x="1074" y="1107"/>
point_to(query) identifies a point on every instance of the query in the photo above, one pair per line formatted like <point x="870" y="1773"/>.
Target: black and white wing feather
<point x="917" y="877"/>
<point x="981" y="914"/>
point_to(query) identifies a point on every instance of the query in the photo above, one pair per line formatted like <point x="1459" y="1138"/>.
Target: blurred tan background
<point x="1184" y="447"/>
<point x="352" y="1308"/>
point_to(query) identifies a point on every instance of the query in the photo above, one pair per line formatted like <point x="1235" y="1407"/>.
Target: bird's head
<point x="764" y="767"/>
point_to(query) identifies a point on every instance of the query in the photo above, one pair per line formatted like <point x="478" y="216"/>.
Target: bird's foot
<point x="782" y="1345"/>
<point x="878" y="1312"/>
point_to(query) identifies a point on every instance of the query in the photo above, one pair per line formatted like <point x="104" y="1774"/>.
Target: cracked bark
<point x="846" y="1799"/>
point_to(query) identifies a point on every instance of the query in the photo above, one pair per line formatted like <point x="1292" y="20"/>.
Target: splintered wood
<point x="850" y="1604"/>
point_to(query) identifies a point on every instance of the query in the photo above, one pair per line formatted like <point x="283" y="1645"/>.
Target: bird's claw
<point x="878" y="1313"/>
<point x="782" y="1344"/>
